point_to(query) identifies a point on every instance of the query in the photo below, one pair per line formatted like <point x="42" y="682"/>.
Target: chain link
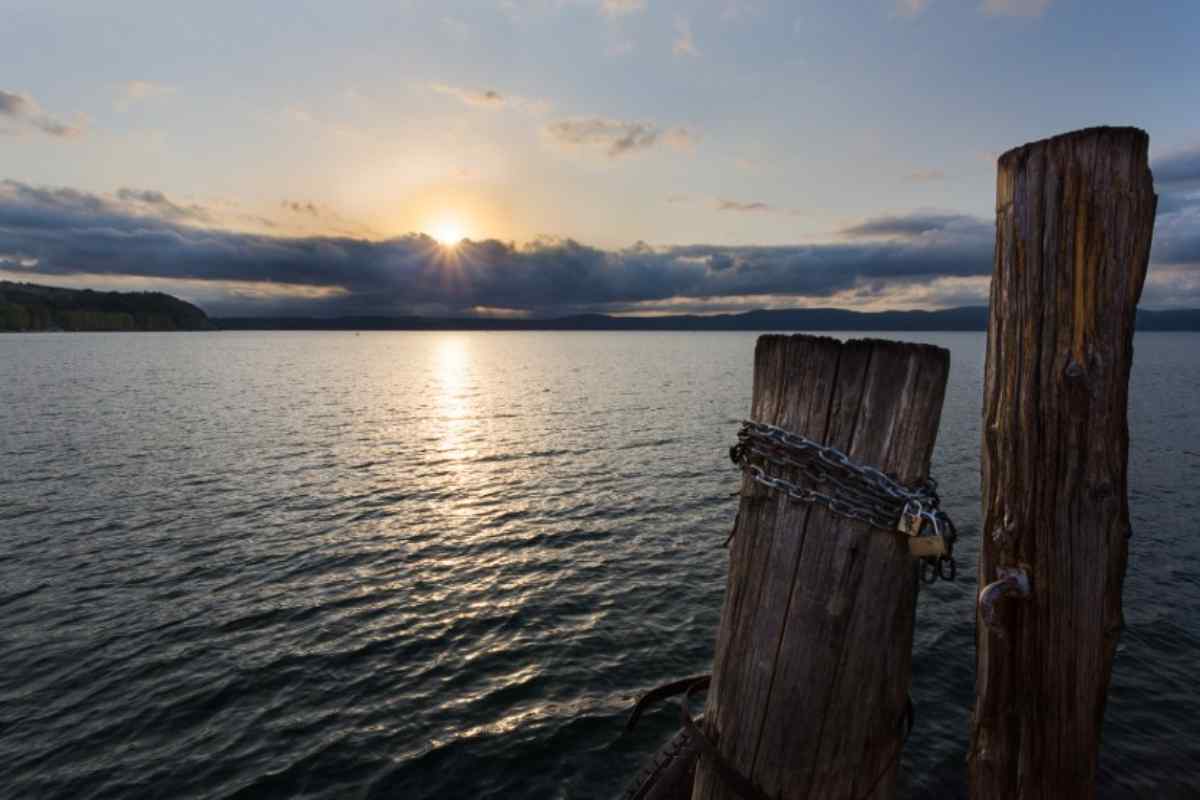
<point x="826" y="476"/>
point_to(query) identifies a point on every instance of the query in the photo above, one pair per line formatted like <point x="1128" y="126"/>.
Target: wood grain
<point x="814" y="645"/>
<point x="1074" y="218"/>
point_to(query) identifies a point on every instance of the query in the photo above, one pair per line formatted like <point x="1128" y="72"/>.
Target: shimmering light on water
<point x="443" y="564"/>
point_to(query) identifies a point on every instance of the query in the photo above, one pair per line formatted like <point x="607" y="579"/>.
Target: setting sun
<point x="448" y="233"/>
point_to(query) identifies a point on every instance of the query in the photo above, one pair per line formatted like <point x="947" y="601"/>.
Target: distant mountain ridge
<point x="966" y="318"/>
<point x="31" y="307"/>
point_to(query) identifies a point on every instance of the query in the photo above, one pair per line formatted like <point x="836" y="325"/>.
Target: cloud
<point x="1177" y="181"/>
<point x="1016" y="8"/>
<point x="924" y="176"/>
<point x="148" y="207"/>
<point x="490" y="98"/>
<point x="1006" y="8"/>
<point x="685" y="43"/>
<point x="682" y="138"/>
<point x="156" y="203"/>
<point x="616" y="137"/>
<point x="320" y="217"/>
<point x="64" y="232"/>
<point x="1177" y="236"/>
<point x="15" y="105"/>
<point x="909" y="226"/>
<point x="132" y="92"/>
<point x="739" y="9"/>
<point x="620" y="8"/>
<point x="925" y="259"/>
<point x="733" y="205"/>
<point x="911" y="8"/>
<point x="1180" y="167"/>
<point x="486" y="98"/>
<point x="298" y="207"/>
<point x="24" y="112"/>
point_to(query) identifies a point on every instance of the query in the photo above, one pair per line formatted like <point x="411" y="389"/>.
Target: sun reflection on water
<point x="455" y="396"/>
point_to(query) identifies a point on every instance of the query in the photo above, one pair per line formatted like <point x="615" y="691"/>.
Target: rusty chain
<point x="826" y="476"/>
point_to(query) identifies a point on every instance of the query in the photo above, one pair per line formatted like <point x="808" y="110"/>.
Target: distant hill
<point x="967" y="318"/>
<point x="29" y="307"/>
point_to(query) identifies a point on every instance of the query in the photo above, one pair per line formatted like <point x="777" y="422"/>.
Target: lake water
<point x="443" y="565"/>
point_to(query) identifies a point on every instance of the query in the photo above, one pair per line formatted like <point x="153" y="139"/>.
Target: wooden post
<point x="814" y="646"/>
<point x="1074" y="217"/>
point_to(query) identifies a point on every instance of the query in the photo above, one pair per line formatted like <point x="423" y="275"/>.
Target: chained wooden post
<point x="814" y="647"/>
<point x="1074" y="217"/>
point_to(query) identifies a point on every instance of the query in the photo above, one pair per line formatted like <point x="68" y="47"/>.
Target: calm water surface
<point x="443" y="565"/>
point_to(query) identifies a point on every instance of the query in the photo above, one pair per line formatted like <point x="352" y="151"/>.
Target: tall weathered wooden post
<point x="1074" y="217"/>
<point x="814" y="648"/>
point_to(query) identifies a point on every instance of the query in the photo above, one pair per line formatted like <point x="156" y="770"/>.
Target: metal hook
<point x="1011" y="581"/>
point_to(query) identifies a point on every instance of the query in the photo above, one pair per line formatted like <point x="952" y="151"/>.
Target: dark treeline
<point x="29" y="307"/>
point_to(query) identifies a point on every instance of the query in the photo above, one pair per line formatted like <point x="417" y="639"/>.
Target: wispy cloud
<point x="739" y="9"/>
<point x="155" y="203"/>
<point x="734" y="205"/>
<point x="753" y="207"/>
<point x="301" y="207"/>
<point x="1016" y="8"/>
<point x="321" y="218"/>
<point x="484" y="98"/>
<point x="682" y="138"/>
<point x="24" y="113"/>
<point x="16" y="105"/>
<point x="616" y="137"/>
<point x="924" y="176"/>
<point x="298" y="115"/>
<point x="685" y="43"/>
<point x="1007" y="8"/>
<point x="911" y="8"/>
<point x="620" y="8"/>
<point x="490" y="98"/>
<point x="911" y="226"/>
<point x="133" y="92"/>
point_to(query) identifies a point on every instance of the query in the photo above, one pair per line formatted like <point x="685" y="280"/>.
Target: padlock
<point x="910" y="524"/>
<point x="926" y="546"/>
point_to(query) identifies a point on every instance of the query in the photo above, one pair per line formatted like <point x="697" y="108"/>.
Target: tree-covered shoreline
<point x="28" y="307"/>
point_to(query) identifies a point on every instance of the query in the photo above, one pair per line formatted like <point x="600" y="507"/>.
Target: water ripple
<point x="401" y="565"/>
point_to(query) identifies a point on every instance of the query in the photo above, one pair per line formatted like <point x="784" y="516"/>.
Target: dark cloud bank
<point x="63" y="232"/>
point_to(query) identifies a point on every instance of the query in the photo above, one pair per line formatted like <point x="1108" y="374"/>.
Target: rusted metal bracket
<point x="1010" y="582"/>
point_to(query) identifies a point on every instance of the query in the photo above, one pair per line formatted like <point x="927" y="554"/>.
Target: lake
<point x="422" y="565"/>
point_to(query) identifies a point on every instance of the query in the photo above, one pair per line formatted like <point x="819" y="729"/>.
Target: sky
<point x="546" y="157"/>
